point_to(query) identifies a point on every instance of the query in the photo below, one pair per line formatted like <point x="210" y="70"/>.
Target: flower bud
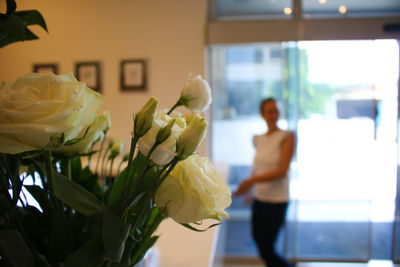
<point x="165" y="132"/>
<point x="191" y="137"/>
<point x="116" y="146"/>
<point x="145" y="117"/>
<point x="126" y="157"/>
<point x="165" y="151"/>
<point x="106" y="120"/>
<point x="196" y="94"/>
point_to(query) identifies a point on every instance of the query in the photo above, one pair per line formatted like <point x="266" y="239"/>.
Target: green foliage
<point x="14" y="24"/>
<point x="75" y="223"/>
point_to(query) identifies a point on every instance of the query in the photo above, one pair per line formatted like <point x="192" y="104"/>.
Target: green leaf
<point x="30" y="35"/>
<point x="36" y="226"/>
<point x="88" y="255"/>
<point x="14" y="28"/>
<point x="4" y="206"/>
<point x="31" y="154"/>
<point x="61" y="242"/>
<point x="32" y="17"/>
<point x="124" y="182"/>
<point x="116" y="195"/>
<point x="76" y="140"/>
<point x="75" y="195"/>
<point x="139" y="254"/>
<point x="126" y="258"/>
<point x="146" y="240"/>
<point x="11" y="6"/>
<point x="16" y="180"/>
<point x="14" y="249"/>
<point x="198" y="230"/>
<point x="115" y="233"/>
<point x="88" y="180"/>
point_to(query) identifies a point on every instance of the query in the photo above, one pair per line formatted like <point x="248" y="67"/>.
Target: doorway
<point x="340" y="98"/>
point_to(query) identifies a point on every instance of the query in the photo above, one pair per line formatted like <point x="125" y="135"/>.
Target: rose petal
<point x="11" y="146"/>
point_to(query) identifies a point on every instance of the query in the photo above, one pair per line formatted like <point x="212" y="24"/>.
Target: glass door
<point x="341" y="99"/>
<point x="346" y="157"/>
<point x="396" y="234"/>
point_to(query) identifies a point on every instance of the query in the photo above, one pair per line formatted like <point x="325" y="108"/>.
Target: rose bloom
<point x="37" y="107"/>
<point x="196" y="94"/>
<point x="164" y="152"/>
<point x="96" y="133"/>
<point x="194" y="191"/>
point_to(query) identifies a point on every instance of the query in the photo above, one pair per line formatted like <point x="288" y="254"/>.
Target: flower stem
<point x="69" y="168"/>
<point x="172" y="166"/>
<point x="99" y="154"/>
<point x="49" y="170"/>
<point x="138" y="179"/>
<point x="119" y="167"/>
<point x="134" y="141"/>
<point x="102" y="169"/>
<point x="177" y="104"/>
<point x="150" y="196"/>
<point x="111" y="166"/>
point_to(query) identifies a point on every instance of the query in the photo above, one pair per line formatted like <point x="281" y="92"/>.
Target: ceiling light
<point x="287" y="10"/>
<point x="342" y="9"/>
<point x="322" y="1"/>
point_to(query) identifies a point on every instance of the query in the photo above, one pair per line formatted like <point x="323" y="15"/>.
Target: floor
<point x="328" y="240"/>
<point x="322" y="264"/>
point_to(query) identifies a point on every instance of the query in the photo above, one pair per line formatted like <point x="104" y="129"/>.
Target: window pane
<point x="352" y="8"/>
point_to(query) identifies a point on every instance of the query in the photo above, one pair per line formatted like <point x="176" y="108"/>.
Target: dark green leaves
<point x="13" y="24"/>
<point x="115" y="233"/>
<point x="14" y="249"/>
<point x="89" y="254"/>
<point x="11" y="7"/>
<point x="76" y="196"/>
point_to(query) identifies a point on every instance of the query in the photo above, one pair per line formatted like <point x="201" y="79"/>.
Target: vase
<point x="150" y="259"/>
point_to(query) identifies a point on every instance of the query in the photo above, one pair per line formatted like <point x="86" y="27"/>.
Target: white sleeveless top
<point x="268" y="151"/>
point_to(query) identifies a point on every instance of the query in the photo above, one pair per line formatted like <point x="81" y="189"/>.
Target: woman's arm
<point x="287" y="151"/>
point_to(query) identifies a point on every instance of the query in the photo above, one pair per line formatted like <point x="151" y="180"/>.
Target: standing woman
<point x="274" y="152"/>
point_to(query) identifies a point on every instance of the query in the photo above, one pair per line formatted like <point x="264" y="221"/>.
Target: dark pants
<point x="267" y="219"/>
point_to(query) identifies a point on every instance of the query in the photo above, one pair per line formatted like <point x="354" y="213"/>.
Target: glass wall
<point x="340" y="97"/>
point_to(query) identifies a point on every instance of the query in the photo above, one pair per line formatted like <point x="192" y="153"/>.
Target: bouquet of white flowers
<point x="48" y="124"/>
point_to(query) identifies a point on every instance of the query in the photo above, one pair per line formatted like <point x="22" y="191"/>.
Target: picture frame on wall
<point x="89" y="73"/>
<point x="133" y="75"/>
<point x="45" y="68"/>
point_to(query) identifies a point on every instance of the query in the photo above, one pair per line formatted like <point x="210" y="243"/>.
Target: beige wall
<point x="169" y="34"/>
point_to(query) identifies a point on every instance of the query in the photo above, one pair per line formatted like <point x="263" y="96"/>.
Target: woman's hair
<point x="266" y="100"/>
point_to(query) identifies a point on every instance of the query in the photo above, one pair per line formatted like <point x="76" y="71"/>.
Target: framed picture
<point x="133" y="75"/>
<point x="44" y="68"/>
<point x="89" y="73"/>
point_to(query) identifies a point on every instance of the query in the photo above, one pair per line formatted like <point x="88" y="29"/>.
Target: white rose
<point x="194" y="191"/>
<point x="196" y="94"/>
<point x="164" y="152"/>
<point x="96" y="132"/>
<point x="39" y="106"/>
